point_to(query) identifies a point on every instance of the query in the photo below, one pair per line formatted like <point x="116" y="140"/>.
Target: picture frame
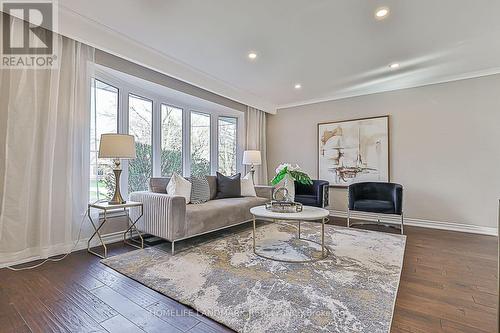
<point x="354" y="150"/>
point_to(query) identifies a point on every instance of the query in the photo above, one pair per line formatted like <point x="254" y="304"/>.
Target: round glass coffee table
<point x="308" y="213"/>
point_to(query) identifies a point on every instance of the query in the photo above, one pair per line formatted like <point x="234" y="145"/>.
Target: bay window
<point x="173" y="133"/>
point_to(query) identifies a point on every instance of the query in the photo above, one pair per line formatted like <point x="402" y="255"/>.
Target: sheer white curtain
<point x="44" y="152"/>
<point x="255" y="122"/>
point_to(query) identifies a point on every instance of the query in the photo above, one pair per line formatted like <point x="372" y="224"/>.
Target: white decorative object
<point x="247" y="186"/>
<point x="289" y="184"/>
<point x="179" y="186"/>
<point x="288" y="180"/>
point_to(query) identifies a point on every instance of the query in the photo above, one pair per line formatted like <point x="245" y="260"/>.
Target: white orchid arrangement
<point x="294" y="171"/>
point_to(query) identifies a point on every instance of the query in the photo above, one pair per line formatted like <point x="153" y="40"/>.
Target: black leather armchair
<point x="373" y="197"/>
<point x="313" y="195"/>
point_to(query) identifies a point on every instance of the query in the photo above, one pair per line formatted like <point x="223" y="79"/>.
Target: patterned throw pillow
<point x="200" y="191"/>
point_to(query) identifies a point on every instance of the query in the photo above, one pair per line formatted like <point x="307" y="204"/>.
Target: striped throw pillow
<point x="200" y="191"/>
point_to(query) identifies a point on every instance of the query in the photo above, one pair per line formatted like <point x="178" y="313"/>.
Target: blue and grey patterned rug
<point x="352" y="290"/>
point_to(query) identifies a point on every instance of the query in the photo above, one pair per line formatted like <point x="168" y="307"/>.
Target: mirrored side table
<point x="106" y="208"/>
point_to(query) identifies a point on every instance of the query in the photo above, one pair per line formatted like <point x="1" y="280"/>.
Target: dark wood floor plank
<point x="33" y="311"/>
<point x="131" y="289"/>
<point x="486" y="299"/>
<point x="176" y="314"/>
<point x="21" y="329"/>
<point x="204" y="327"/>
<point x="73" y="318"/>
<point x="454" y="327"/>
<point x="133" y="312"/>
<point x="120" y="324"/>
<point x="10" y="319"/>
<point x="89" y="303"/>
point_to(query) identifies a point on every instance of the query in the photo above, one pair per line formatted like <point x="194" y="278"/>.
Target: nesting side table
<point x="105" y="208"/>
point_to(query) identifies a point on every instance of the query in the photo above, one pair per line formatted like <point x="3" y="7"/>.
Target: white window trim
<point x="125" y="88"/>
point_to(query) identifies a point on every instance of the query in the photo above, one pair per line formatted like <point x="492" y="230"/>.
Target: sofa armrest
<point x="264" y="191"/>
<point x="163" y="216"/>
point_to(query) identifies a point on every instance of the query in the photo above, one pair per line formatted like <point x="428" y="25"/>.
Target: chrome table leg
<point x="96" y="232"/>
<point x="131" y="228"/>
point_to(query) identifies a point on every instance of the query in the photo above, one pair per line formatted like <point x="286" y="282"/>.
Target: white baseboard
<point x="392" y="219"/>
<point x="32" y="254"/>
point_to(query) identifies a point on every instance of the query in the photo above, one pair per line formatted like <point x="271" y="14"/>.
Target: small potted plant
<point x="287" y="175"/>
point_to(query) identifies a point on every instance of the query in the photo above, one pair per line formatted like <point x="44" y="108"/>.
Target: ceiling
<point x="334" y="49"/>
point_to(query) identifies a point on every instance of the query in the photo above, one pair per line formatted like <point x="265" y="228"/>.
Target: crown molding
<point x="88" y="31"/>
<point x="336" y="97"/>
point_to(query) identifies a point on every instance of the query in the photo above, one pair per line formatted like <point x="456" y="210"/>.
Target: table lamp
<point x="117" y="146"/>
<point x="252" y="158"/>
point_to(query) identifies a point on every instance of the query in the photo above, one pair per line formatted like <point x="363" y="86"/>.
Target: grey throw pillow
<point x="228" y="187"/>
<point x="200" y="191"/>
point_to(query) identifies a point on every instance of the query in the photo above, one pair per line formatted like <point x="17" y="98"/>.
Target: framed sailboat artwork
<point x="353" y="151"/>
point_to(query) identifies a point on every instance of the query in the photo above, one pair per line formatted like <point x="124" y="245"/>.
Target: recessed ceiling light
<point x="381" y="13"/>
<point x="394" y="65"/>
<point x="298" y="86"/>
<point x="252" y="55"/>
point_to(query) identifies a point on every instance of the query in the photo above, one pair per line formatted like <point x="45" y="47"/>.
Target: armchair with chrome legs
<point x="315" y="194"/>
<point x="377" y="198"/>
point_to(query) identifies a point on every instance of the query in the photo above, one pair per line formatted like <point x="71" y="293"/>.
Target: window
<point x="200" y="144"/>
<point x="103" y="119"/>
<point x="171" y="140"/>
<point x="227" y="144"/>
<point x="140" y="118"/>
<point x="173" y="133"/>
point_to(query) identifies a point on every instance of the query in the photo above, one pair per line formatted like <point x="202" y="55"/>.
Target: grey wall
<point x="445" y="146"/>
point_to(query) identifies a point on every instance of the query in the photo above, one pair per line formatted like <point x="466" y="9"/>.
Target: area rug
<point x="352" y="290"/>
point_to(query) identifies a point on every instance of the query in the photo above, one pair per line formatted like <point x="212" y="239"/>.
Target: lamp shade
<point x="252" y="157"/>
<point x="117" y="146"/>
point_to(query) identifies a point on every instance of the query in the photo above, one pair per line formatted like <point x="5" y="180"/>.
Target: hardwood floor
<point x="448" y="284"/>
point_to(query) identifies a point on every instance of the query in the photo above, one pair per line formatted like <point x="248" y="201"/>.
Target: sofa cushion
<point x="228" y="187"/>
<point x="178" y="185"/>
<point x="374" y="206"/>
<point x="216" y="214"/>
<point x="212" y="183"/>
<point x="247" y="186"/>
<point x="200" y="190"/>
<point x="158" y="184"/>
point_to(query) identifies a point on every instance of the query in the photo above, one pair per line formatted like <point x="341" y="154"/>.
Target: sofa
<point x="169" y="217"/>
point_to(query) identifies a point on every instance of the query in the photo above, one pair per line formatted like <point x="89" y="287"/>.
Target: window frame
<point x="126" y="88"/>
<point x="144" y="98"/>
<point x="93" y="106"/>
<point x="238" y="161"/>
<point x="210" y="153"/>
<point x="158" y="146"/>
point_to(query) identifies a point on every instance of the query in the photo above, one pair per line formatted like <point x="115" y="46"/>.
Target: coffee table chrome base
<point x="325" y="251"/>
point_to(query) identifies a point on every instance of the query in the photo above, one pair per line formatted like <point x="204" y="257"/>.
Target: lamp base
<point x="117" y="197"/>
<point x="252" y="171"/>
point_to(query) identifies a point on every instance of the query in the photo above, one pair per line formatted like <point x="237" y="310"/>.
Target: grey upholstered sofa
<point x="168" y="216"/>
